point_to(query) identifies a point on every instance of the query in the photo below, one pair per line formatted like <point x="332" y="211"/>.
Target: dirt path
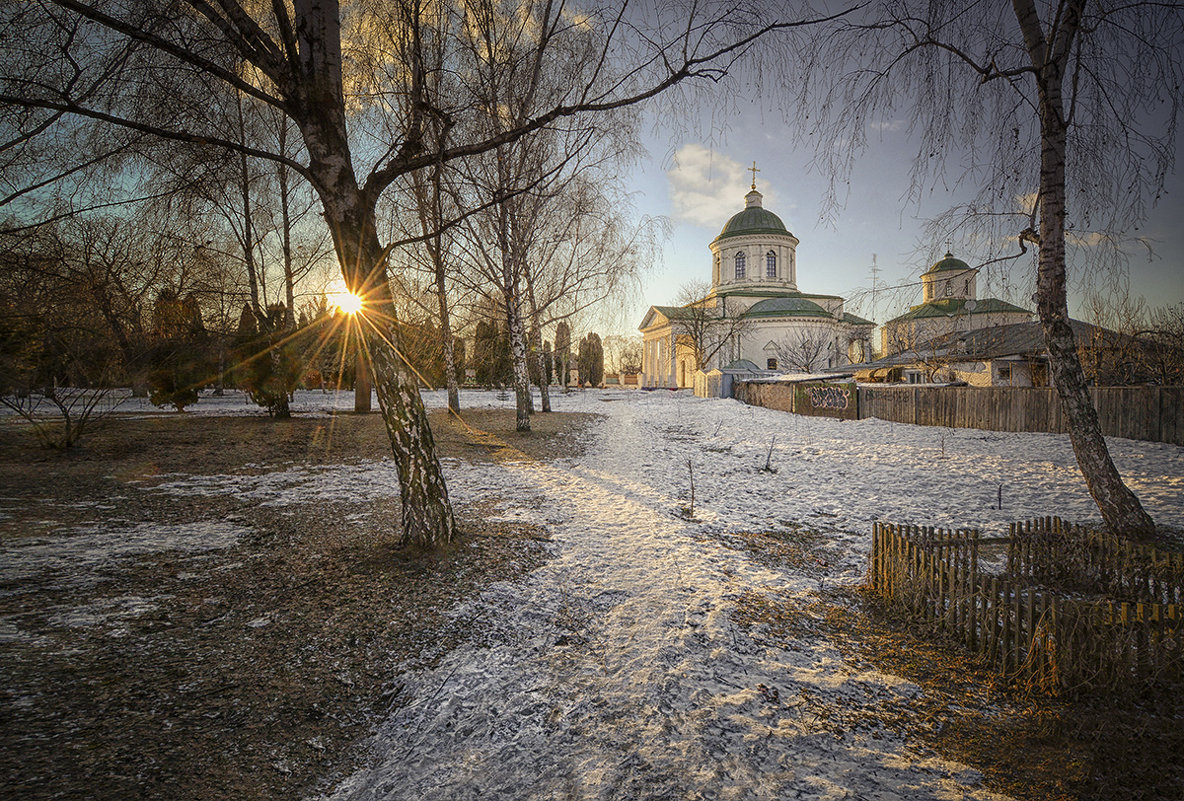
<point x="618" y="670"/>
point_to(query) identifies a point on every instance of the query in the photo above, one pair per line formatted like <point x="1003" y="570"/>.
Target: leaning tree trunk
<point x="1123" y="513"/>
<point x="427" y="512"/>
<point x="319" y="110"/>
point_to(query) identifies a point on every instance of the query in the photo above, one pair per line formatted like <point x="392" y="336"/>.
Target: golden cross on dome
<point x="754" y="171"/>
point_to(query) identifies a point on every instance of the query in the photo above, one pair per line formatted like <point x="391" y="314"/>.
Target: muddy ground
<point x="247" y="672"/>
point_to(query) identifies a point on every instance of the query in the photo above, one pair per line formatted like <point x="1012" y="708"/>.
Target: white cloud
<point x="1087" y="239"/>
<point x="706" y="187"/>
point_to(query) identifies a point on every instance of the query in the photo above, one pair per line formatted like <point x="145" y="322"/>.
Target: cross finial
<point x="754" y="171"/>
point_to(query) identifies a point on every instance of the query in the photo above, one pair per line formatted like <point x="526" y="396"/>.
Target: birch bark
<point x="1120" y="508"/>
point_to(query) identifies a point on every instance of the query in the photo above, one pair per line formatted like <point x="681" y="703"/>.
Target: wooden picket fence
<point x="1054" y="553"/>
<point x="1023" y="622"/>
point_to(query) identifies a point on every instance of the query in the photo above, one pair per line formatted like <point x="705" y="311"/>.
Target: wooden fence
<point x="815" y="398"/>
<point x="1027" y="629"/>
<point x="1051" y="552"/>
<point x="1149" y="413"/>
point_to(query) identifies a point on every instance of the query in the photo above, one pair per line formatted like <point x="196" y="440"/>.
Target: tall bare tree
<point x="101" y="60"/>
<point x="1065" y="113"/>
<point x="706" y="325"/>
<point x="1163" y="344"/>
<point x="802" y="349"/>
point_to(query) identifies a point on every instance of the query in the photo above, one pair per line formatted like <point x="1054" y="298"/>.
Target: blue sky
<point x="697" y="187"/>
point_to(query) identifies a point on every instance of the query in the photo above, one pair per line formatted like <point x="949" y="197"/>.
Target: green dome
<point x="948" y="264"/>
<point x="786" y="307"/>
<point x="753" y="220"/>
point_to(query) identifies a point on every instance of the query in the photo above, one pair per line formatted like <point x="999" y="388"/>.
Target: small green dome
<point x="948" y="264"/>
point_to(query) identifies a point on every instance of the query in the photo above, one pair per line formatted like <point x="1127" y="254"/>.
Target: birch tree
<point x="153" y="67"/>
<point x="1064" y="112"/>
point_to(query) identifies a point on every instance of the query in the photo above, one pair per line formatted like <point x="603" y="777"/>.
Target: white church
<point x="753" y="318"/>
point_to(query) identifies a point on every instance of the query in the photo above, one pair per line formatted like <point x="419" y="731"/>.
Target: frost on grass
<point x="78" y="556"/>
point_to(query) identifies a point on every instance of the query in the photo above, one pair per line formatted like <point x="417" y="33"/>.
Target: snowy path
<point x="616" y="671"/>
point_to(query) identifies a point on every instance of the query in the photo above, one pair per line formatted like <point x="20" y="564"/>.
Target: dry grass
<point x="1028" y="746"/>
<point x="249" y="672"/>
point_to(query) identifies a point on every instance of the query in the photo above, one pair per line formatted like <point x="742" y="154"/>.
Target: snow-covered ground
<point x="616" y="671"/>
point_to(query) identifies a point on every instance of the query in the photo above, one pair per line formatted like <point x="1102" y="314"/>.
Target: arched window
<point x="770" y="265"/>
<point x="741" y="265"/>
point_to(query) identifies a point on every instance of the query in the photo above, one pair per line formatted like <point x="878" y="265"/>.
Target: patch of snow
<point x="10" y="632"/>
<point x="77" y="556"/>
<point x="107" y="610"/>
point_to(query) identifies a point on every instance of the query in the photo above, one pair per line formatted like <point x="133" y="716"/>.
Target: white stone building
<point x="753" y="313"/>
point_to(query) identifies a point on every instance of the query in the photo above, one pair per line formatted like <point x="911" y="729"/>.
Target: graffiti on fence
<point x="829" y="397"/>
<point x="829" y="400"/>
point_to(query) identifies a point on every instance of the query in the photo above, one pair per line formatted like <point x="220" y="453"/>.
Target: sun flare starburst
<point x="349" y="303"/>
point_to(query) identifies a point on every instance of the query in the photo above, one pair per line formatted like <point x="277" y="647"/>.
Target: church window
<point x="771" y="364"/>
<point x="741" y="266"/>
<point x="966" y="287"/>
<point x="949" y="288"/>
<point x="770" y="265"/>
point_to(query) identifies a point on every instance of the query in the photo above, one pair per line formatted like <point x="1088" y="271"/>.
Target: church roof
<point x="1016" y="339"/>
<point x="852" y="319"/>
<point x="743" y="364"/>
<point x="751" y="292"/>
<point x="948" y="264"/>
<point x="753" y="220"/>
<point x="948" y="307"/>
<point x="671" y="313"/>
<point x="786" y="306"/>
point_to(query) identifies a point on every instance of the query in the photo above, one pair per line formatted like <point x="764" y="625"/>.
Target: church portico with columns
<point x="753" y="317"/>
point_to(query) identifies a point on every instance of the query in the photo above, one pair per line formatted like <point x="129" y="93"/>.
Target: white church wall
<point x="755" y="248"/>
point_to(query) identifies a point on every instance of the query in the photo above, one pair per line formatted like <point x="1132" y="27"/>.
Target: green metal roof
<point x="748" y="292"/>
<point x="948" y="264"/>
<point x="852" y="319"/>
<point x="743" y="364"/>
<point x="787" y="306"/>
<point x="753" y="220"/>
<point x="948" y="307"/>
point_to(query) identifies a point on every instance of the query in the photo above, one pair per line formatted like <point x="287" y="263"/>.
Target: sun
<point x="349" y="303"/>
